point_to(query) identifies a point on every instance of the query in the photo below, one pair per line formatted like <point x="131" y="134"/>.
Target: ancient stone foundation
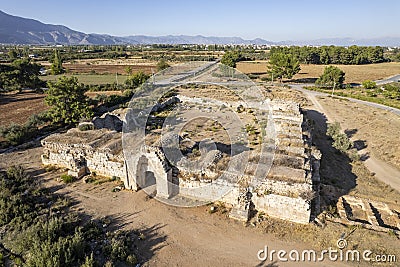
<point x="290" y="191"/>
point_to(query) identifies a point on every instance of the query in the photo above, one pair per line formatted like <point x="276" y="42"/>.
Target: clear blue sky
<point x="272" y="20"/>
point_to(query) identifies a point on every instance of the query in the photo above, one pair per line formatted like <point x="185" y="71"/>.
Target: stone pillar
<point x="241" y="211"/>
<point x="164" y="185"/>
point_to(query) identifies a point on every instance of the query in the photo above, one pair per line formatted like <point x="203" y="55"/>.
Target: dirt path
<point x="383" y="171"/>
<point x="175" y="236"/>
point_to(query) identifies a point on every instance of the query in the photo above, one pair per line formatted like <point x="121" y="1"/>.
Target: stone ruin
<point x="374" y="215"/>
<point x="289" y="192"/>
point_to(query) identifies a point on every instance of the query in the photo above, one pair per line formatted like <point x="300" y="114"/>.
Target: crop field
<point x="18" y="107"/>
<point x="91" y="78"/>
<point x="354" y="73"/>
<point x="107" y="68"/>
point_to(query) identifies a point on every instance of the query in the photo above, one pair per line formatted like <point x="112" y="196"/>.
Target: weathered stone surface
<point x="286" y="193"/>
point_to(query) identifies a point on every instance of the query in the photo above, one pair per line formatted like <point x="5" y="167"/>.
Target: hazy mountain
<point x="17" y="30"/>
<point x="186" y="39"/>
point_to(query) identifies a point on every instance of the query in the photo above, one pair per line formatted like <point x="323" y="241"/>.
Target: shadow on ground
<point x="337" y="177"/>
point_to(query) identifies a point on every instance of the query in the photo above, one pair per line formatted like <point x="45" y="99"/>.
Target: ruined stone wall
<point x="282" y="207"/>
<point x="285" y="193"/>
<point x="100" y="152"/>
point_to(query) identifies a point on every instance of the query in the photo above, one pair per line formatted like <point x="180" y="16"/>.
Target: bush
<point x="128" y="93"/>
<point x="85" y="126"/>
<point x="40" y="230"/>
<point x="368" y="84"/>
<point x="67" y="178"/>
<point x="340" y="140"/>
<point x="89" y="261"/>
<point x="136" y="80"/>
<point x="16" y="134"/>
<point x="131" y="260"/>
<point x="333" y="129"/>
<point x="162" y="64"/>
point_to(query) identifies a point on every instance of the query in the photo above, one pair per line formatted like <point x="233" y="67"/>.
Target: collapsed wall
<point x="84" y="152"/>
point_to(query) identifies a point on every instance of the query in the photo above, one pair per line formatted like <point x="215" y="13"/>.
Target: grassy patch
<point x="375" y="96"/>
<point x="67" y="178"/>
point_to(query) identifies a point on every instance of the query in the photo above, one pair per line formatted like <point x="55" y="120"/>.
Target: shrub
<point x="67" y="178"/>
<point x="368" y="84"/>
<point x="16" y="134"/>
<point x="86" y="126"/>
<point x="340" y="140"/>
<point x="128" y="93"/>
<point x="40" y="230"/>
<point x="162" y="64"/>
<point x="135" y="80"/>
<point x="89" y="261"/>
<point x="353" y="155"/>
<point x="333" y="129"/>
<point x="131" y="260"/>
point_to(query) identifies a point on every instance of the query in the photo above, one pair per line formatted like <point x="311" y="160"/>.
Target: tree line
<point x="353" y="55"/>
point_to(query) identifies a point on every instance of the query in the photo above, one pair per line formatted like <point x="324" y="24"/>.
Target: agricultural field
<point x="18" y="107"/>
<point x="354" y="73"/>
<point x="91" y="79"/>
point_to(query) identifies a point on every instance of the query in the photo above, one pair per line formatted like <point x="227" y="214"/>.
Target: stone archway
<point x="149" y="174"/>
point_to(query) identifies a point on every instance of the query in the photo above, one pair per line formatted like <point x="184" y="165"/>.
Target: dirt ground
<point x="371" y="127"/>
<point x="18" y="107"/>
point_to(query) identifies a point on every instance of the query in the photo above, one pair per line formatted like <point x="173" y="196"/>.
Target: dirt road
<point x="383" y="171"/>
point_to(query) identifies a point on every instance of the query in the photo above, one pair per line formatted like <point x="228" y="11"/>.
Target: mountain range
<point x="18" y="30"/>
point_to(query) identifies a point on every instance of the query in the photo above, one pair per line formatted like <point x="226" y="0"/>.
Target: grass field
<point x="90" y="78"/>
<point x="361" y="94"/>
<point x="354" y="73"/>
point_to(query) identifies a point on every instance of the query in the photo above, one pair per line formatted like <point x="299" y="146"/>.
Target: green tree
<point x="12" y="54"/>
<point x="282" y="65"/>
<point x="230" y="58"/>
<point x="56" y="66"/>
<point x="27" y="73"/>
<point x="332" y="77"/>
<point x="20" y="74"/>
<point x="162" y="65"/>
<point x="67" y="100"/>
<point x="136" y="79"/>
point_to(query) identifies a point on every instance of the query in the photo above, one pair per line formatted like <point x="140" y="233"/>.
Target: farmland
<point x="91" y="79"/>
<point x="354" y="73"/>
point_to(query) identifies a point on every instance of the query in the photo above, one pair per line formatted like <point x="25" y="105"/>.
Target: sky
<point x="277" y="20"/>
